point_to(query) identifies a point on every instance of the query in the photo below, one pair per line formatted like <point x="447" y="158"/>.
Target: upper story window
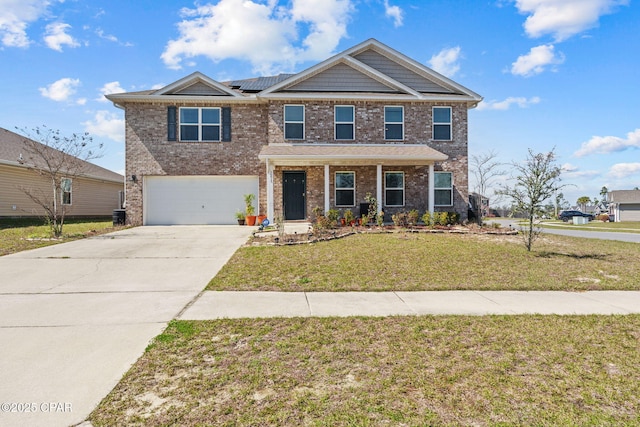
<point x="394" y="123"/>
<point x="66" y="188"/>
<point x="345" y="188"/>
<point x="442" y="123"/>
<point x="344" y="122"/>
<point x="394" y="188"/>
<point x="294" y="122"/>
<point x="200" y="124"/>
<point x="443" y="183"/>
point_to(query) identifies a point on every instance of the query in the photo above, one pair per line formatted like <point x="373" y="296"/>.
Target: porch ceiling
<point x="350" y="154"/>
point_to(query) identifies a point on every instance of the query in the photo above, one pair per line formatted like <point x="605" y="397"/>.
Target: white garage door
<point x="630" y="212"/>
<point x="185" y="200"/>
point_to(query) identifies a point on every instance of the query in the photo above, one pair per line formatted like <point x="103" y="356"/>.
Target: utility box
<point x="580" y="220"/>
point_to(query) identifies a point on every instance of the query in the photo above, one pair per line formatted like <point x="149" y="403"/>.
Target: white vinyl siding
<point x="90" y="197"/>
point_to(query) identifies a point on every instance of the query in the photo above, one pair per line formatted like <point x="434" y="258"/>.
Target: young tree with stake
<point x="537" y="179"/>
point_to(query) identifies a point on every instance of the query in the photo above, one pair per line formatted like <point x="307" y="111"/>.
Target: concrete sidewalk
<point x="219" y="305"/>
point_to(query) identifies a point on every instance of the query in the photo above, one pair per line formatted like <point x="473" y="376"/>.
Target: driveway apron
<point x="74" y="317"/>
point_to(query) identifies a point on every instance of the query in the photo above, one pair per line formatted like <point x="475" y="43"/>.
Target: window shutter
<point x="226" y="124"/>
<point x="171" y="123"/>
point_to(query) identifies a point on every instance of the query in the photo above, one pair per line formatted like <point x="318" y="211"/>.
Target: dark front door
<point x="294" y="189"/>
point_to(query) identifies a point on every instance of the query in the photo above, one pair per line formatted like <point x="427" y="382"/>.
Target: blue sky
<point x="553" y="73"/>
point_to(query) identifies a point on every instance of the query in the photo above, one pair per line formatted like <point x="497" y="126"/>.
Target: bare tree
<point x="485" y="168"/>
<point x="59" y="160"/>
<point x="537" y="180"/>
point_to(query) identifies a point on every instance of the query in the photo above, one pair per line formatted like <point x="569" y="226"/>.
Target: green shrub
<point x="452" y="218"/>
<point x="332" y="216"/>
<point x="427" y="218"/>
<point x="348" y="216"/>
<point x="413" y="216"/>
<point x="400" y="219"/>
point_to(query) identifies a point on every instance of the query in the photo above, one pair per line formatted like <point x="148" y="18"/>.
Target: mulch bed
<point x="271" y="238"/>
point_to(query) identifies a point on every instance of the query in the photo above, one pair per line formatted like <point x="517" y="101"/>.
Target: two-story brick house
<point x="368" y="120"/>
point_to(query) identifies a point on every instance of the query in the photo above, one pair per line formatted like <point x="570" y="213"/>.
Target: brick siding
<point x="253" y="125"/>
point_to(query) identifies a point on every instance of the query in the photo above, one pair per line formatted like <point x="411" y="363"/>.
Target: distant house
<point x="96" y="193"/>
<point x="369" y="120"/>
<point x="624" y="205"/>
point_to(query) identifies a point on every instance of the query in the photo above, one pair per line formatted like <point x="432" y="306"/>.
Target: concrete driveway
<point x="74" y="317"/>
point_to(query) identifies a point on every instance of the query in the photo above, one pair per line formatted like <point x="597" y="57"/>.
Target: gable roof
<point x="197" y="84"/>
<point x="12" y="153"/>
<point x="369" y="70"/>
<point x="624" y="196"/>
<point x="372" y="68"/>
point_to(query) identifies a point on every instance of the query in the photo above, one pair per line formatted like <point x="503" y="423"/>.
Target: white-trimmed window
<point x="199" y="124"/>
<point x="442" y="123"/>
<point x="65" y="191"/>
<point x="443" y="184"/>
<point x="294" y="122"/>
<point x="345" y="188"/>
<point x="394" y="123"/>
<point x="394" y="188"/>
<point x="344" y="122"/>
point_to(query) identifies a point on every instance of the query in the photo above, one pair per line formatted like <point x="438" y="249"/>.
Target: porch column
<point x="270" y="210"/>
<point x="432" y="186"/>
<point x="379" y="187"/>
<point x="327" y="199"/>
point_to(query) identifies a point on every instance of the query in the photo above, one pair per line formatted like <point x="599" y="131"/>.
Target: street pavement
<point x="585" y="234"/>
<point x="74" y="317"/>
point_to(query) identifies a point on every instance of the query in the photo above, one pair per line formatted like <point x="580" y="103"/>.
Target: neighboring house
<point x="624" y="205"/>
<point x="96" y="193"/>
<point x="368" y="120"/>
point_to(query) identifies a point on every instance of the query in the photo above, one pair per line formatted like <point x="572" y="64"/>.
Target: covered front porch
<point x="300" y="177"/>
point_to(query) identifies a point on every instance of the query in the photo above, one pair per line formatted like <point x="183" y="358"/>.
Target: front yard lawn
<point x="18" y="235"/>
<point x="412" y="262"/>
<point x="397" y="371"/>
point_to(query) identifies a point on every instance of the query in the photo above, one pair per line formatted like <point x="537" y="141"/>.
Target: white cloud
<point x="109" y="88"/>
<point x="536" y="60"/>
<point x="56" y="36"/>
<point x="60" y="90"/>
<point x="106" y="124"/>
<point x="521" y="102"/>
<point x="568" y="167"/>
<point x="446" y="61"/>
<point x="623" y="170"/>
<point x="265" y="34"/>
<point x="609" y="144"/>
<point x="564" y="18"/>
<point x="110" y="37"/>
<point x="394" y="12"/>
<point x="15" y="17"/>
